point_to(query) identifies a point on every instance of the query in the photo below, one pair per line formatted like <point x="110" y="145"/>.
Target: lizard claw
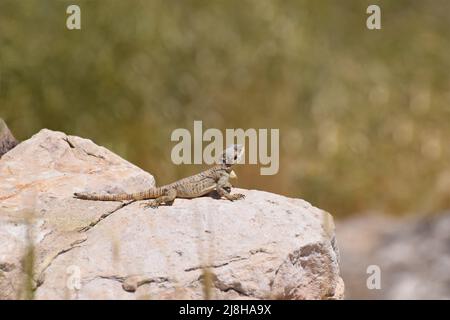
<point x="149" y="204"/>
<point x="238" y="196"/>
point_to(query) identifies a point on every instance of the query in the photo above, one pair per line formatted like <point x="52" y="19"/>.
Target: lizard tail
<point x="149" y="194"/>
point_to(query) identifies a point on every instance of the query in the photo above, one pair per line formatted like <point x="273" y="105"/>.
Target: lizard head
<point x="232" y="154"/>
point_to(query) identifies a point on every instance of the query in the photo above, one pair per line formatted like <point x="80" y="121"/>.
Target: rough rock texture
<point x="266" y="246"/>
<point x="7" y="140"/>
<point x="413" y="255"/>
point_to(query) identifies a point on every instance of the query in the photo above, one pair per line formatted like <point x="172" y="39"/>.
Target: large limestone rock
<point x="266" y="246"/>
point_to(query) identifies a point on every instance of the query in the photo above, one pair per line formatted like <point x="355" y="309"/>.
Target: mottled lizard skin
<point x="215" y="178"/>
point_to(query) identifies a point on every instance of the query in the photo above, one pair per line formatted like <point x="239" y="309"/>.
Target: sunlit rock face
<point x="265" y="246"/>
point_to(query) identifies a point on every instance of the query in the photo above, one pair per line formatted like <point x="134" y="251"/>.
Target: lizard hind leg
<point x="167" y="198"/>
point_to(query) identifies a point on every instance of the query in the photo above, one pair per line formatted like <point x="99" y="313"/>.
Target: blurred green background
<point x="363" y="115"/>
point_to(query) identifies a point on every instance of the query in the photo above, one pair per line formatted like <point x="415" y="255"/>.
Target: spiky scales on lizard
<point x="215" y="178"/>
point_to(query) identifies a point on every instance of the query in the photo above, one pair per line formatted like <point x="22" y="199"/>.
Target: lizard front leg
<point x="227" y="187"/>
<point x="168" y="198"/>
<point x="223" y="188"/>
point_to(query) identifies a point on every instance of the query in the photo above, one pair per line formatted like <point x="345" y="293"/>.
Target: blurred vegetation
<point x="363" y="115"/>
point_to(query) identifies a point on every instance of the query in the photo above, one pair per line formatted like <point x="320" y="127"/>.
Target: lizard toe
<point x="240" y="196"/>
<point x="147" y="205"/>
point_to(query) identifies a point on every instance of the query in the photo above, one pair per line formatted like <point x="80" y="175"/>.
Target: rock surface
<point x="7" y="140"/>
<point x="266" y="246"/>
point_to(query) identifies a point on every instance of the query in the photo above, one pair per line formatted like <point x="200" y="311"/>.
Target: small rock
<point x="7" y="140"/>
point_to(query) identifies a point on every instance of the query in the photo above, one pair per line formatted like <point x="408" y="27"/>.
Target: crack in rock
<point x="130" y="283"/>
<point x="213" y="266"/>
<point x="39" y="280"/>
<point x="103" y="217"/>
<point x="233" y="259"/>
<point x="73" y="146"/>
<point x="111" y="277"/>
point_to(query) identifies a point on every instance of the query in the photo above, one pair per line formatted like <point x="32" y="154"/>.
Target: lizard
<point x="214" y="178"/>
